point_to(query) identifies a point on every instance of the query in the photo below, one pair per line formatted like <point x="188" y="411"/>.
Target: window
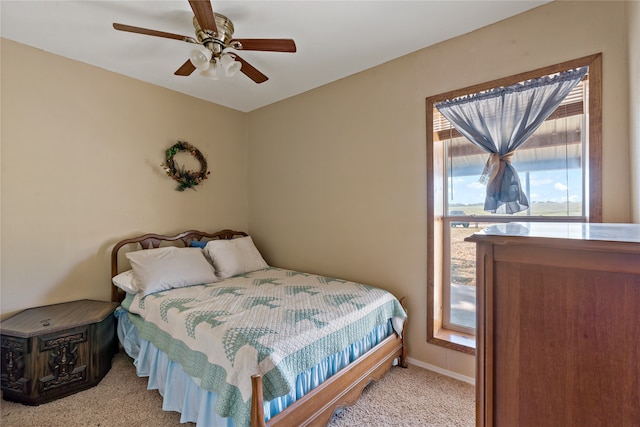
<point x="559" y="169"/>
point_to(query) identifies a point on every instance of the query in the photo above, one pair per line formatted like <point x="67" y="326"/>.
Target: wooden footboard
<point x="340" y="390"/>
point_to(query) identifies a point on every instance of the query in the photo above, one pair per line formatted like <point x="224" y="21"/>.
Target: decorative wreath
<point x="184" y="177"/>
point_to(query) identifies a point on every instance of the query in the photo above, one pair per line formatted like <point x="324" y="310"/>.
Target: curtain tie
<point x="492" y="167"/>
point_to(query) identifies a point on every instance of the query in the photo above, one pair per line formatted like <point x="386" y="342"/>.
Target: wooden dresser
<point x="558" y="325"/>
<point x="52" y="351"/>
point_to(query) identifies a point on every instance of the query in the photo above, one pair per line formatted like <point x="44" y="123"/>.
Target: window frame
<point x="436" y="333"/>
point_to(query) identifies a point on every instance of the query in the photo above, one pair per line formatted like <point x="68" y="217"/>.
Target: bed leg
<point x="257" y="402"/>
<point x="403" y="356"/>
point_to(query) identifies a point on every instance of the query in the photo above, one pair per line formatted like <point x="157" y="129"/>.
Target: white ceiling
<point x="334" y="39"/>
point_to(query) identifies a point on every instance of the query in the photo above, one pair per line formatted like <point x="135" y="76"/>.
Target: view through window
<point x="556" y="166"/>
<point x="551" y="172"/>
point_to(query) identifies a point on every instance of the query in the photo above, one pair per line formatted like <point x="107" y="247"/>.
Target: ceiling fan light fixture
<point x="214" y="34"/>
<point x="211" y="72"/>
<point x="200" y="58"/>
<point x="230" y="65"/>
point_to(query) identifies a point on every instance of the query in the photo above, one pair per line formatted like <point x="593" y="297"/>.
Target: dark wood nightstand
<point x="53" y="351"/>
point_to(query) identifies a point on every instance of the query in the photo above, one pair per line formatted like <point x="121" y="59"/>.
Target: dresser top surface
<point x="596" y="232"/>
<point x="588" y="236"/>
<point x="57" y="317"/>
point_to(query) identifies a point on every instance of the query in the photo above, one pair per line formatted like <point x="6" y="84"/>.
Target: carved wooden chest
<point x="52" y="351"/>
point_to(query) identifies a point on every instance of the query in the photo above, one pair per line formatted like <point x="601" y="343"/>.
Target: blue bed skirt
<point x="181" y="392"/>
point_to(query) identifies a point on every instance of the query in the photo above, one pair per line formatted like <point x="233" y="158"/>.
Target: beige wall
<point x="632" y="14"/>
<point x="81" y="155"/>
<point x="338" y="177"/>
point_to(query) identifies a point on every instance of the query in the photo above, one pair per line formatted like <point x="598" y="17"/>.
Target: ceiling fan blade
<point x="271" y="45"/>
<point x="203" y="12"/>
<point x="250" y="71"/>
<point x="148" y="32"/>
<point x="185" y="69"/>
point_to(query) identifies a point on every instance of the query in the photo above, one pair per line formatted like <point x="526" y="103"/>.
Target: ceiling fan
<point x="214" y="34"/>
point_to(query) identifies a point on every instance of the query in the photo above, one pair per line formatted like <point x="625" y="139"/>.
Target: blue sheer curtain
<point x="499" y="121"/>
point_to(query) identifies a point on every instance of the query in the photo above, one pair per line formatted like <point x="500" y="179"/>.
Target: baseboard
<point x="442" y="371"/>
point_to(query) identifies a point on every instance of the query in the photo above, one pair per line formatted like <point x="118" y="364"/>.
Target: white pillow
<point x="126" y="282"/>
<point x="235" y="256"/>
<point x="160" y="269"/>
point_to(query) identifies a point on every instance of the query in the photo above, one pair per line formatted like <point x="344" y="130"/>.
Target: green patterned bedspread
<point x="272" y="322"/>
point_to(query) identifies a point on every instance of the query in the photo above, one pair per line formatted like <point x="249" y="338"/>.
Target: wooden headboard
<point x="149" y="241"/>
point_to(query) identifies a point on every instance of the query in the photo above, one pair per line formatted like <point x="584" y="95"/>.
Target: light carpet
<point x="404" y="397"/>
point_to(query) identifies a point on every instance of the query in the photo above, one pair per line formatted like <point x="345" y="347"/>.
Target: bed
<point x="232" y="341"/>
